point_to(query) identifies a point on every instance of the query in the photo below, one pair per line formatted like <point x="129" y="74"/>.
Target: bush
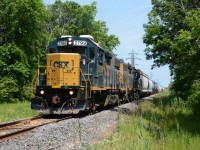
<point x="27" y="93"/>
<point x="9" y="90"/>
<point x="14" y="74"/>
<point x="194" y="98"/>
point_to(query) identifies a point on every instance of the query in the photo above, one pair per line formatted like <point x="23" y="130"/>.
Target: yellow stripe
<point x="56" y="86"/>
<point x="102" y="88"/>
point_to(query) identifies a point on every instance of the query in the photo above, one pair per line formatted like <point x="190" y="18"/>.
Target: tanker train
<point x="80" y="75"/>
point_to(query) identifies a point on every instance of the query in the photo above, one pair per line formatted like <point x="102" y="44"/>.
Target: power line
<point x="128" y="19"/>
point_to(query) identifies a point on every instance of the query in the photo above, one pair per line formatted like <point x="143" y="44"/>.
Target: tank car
<point x="142" y="85"/>
<point x="80" y="75"/>
<point x="150" y="87"/>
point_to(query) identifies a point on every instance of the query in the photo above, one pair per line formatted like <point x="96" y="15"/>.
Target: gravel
<point x="71" y="134"/>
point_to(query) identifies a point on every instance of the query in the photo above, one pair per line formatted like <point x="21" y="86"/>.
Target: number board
<point x="62" y="43"/>
<point x="80" y="43"/>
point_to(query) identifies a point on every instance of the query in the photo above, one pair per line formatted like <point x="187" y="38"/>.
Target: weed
<point x="16" y="111"/>
<point x="164" y="123"/>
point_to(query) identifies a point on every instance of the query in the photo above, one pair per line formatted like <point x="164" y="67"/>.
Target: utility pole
<point x="133" y="58"/>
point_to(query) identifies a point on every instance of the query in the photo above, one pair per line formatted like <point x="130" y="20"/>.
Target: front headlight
<point x="42" y="92"/>
<point x="70" y="43"/>
<point x="71" y="92"/>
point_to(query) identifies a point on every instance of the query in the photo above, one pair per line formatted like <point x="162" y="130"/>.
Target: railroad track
<point x="16" y="128"/>
<point x="13" y="129"/>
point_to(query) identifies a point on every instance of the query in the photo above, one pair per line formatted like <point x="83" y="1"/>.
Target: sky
<point x="125" y="19"/>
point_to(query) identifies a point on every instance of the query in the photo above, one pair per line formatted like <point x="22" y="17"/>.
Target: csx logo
<point x="60" y="64"/>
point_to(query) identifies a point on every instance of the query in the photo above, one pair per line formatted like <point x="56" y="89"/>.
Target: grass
<point x="162" y="124"/>
<point x="16" y="111"/>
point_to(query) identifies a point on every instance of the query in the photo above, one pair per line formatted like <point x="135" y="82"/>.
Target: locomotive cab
<point x="64" y="84"/>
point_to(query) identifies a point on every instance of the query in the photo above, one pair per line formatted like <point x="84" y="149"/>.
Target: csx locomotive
<point x="80" y="75"/>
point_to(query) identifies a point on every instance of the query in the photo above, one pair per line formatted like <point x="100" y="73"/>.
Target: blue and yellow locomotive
<point x="80" y="75"/>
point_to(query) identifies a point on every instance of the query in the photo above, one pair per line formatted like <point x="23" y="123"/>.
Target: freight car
<point x="143" y="85"/>
<point x="80" y="75"/>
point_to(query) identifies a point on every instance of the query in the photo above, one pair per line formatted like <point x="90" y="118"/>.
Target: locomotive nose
<point x="63" y="69"/>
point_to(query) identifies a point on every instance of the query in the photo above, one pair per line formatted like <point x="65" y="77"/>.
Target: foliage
<point x="26" y="29"/>
<point x="70" y="18"/>
<point x="14" y="73"/>
<point x="172" y="35"/>
<point x="9" y="90"/>
<point x="13" y="63"/>
<point x="22" y="22"/>
<point x="22" y="30"/>
<point x="194" y="98"/>
<point x="164" y="123"/>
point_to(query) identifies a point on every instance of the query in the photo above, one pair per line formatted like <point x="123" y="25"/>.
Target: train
<point x="79" y="75"/>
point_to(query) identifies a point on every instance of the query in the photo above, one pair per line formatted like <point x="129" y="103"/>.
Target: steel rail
<point x="18" y="121"/>
<point x="18" y="132"/>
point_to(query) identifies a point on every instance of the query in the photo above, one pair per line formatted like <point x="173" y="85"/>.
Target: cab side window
<point x="92" y="53"/>
<point x="101" y="58"/>
<point x="108" y="61"/>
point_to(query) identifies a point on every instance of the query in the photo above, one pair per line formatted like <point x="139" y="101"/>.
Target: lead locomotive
<point x="80" y="75"/>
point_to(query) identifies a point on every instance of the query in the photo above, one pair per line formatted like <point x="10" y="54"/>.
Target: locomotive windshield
<point x="66" y="49"/>
<point x="74" y="49"/>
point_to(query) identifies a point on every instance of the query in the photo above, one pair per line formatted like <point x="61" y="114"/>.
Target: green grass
<point x="16" y="111"/>
<point x="163" y="124"/>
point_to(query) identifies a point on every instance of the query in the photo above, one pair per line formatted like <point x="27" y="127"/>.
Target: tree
<point x="27" y="27"/>
<point x="171" y="36"/>
<point x="14" y="73"/>
<point x="70" y="18"/>
<point x="23" y="23"/>
<point x="22" y="38"/>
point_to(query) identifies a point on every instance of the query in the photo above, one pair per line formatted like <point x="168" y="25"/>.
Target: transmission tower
<point x="133" y="58"/>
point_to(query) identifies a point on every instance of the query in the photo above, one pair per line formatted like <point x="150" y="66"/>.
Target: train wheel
<point x="119" y="101"/>
<point x="136" y="97"/>
<point x="93" y="108"/>
<point x="131" y="97"/>
<point x="124" y="99"/>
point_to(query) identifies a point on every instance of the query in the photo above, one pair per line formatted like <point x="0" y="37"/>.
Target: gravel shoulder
<point x="71" y="134"/>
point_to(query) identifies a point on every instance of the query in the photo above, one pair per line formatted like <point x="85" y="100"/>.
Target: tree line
<point x="26" y="29"/>
<point x="172" y="37"/>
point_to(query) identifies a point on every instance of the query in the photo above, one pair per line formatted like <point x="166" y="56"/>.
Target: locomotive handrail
<point x="89" y="75"/>
<point x="51" y="67"/>
<point x="83" y="75"/>
<point x="34" y="83"/>
<point x="85" y="82"/>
